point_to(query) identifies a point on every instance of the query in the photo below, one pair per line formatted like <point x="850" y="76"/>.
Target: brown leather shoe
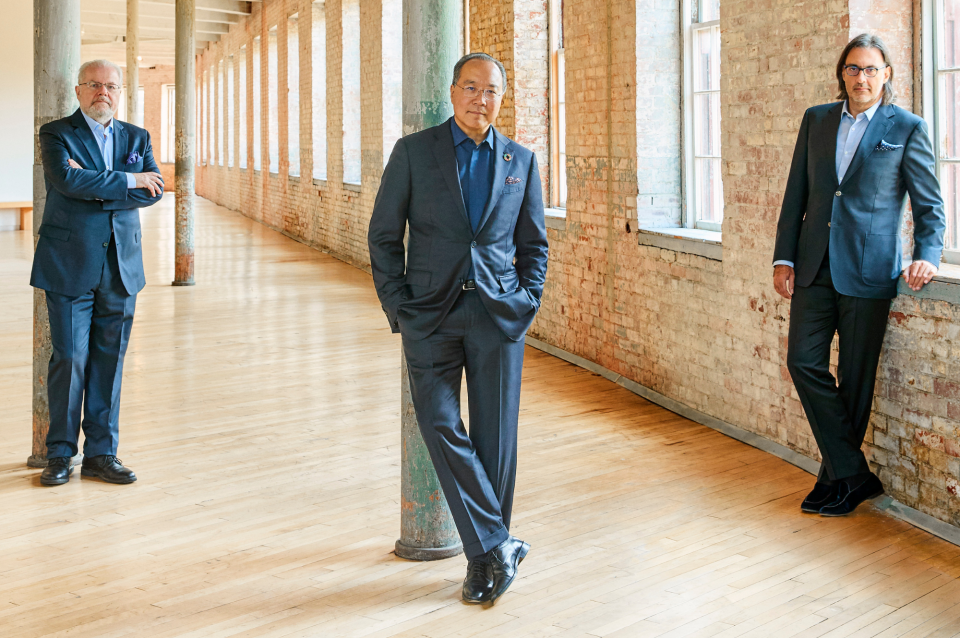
<point x="107" y="468"/>
<point x="57" y="472"/>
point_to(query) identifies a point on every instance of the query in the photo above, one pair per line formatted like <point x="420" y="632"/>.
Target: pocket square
<point x="887" y="146"/>
<point x="133" y="158"/>
<point x="514" y="180"/>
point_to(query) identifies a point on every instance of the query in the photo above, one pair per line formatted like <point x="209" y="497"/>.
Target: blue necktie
<point x="475" y="201"/>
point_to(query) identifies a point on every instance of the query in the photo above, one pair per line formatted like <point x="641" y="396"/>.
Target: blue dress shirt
<point x="475" y="167"/>
<point x="849" y="134"/>
<point x="104" y="136"/>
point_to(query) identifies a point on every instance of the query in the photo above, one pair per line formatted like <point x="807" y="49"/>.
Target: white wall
<point x="16" y="102"/>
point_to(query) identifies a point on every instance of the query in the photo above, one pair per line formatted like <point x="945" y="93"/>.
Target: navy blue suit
<point x="88" y="260"/>
<point x="843" y="237"/>
<point x="446" y="329"/>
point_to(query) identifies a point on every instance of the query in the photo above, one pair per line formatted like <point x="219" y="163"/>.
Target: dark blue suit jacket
<point x="85" y="205"/>
<point x="420" y="191"/>
<point x="860" y="218"/>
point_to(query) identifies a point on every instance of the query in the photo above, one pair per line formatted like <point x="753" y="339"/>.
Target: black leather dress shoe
<point x="502" y="564"/>
<point x="107" y="468"/>
<point x="851" y="493"/>
<point x="57" y="472"/>
<point x="821" y="495"/>
<point x="477" y="586"/>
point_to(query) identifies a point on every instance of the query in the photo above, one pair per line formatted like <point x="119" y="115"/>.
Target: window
<point x="703" y="188"/>
<point x="257" y="107"/>
<point x="211" y="117"/>
<point x="242" y="100"/>
<point x="319" y="67"/>
<point x="351" y="91"/>
<point x="221" y="108"/>
<point x="273" y="114"/>
<point x="947" y="117"/>
<point x="293" y="94"/>
<point x="392" y="74"/>
<point x="205" y="97"/>
<point x="231" y="104"/>
<point x="558" y="108"/>
<point x="168" y="131"/>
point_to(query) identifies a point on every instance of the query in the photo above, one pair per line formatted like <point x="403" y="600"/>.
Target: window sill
<point x="556" y="218"/>
<point x="351" y="186"/>
<point x="322" y="183"/>
<point x="705" y="243"/>
<point x="293" y="178"/>
<point x="944" y="287"/>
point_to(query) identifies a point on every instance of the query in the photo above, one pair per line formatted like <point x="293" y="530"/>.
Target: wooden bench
<point x="26" y="213"/>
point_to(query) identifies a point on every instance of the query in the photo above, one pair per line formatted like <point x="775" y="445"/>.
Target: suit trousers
<point x="838" y="409"/>
<point x="477" y="471"/>
<point x="89" y="334"/>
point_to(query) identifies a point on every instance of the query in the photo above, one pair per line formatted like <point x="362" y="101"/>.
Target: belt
<point x="470" y="284"/>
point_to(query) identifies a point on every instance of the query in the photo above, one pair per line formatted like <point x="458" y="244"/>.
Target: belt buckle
<point x="470" y="284"/>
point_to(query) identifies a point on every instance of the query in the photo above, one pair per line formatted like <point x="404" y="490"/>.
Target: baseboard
<point x="928" y="523"/>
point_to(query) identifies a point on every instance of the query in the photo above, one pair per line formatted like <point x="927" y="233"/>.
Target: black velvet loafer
<point x="477" y="586"/>
<point x="851" y="493"/>
<point x="107" y="468"/>
<point x="502" y="564"/>
<point x="821" y="496"/>
<point x="57" y="472"/>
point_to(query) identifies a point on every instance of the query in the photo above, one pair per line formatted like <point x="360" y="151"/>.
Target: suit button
<point x="838" y="193"/>
<point x="473" y="244"/>
<point x="114" y="215"/>
<point x="105" y="244"/>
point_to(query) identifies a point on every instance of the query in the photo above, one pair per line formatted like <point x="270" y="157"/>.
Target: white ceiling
<point x="104" y="26"/>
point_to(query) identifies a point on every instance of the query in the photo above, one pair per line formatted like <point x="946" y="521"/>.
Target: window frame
<point x="558" y="168"/>
<point x="690" y="212"/>
<point x="932" y="14"/>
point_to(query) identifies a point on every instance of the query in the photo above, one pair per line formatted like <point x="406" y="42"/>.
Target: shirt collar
<point x="97" y="127"/>
<point x="869" y="112"/>
<point x="459" y="136"/>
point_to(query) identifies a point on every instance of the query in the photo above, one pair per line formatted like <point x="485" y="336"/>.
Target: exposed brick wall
<point x="711" y="334"/>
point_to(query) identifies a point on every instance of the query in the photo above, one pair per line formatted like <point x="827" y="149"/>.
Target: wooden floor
<point x="261" y="414"/>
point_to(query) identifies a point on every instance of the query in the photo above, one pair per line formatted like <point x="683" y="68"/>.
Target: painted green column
<point x="432" y="43"/>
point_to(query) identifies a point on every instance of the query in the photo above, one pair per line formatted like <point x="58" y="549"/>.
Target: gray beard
<point x="100" y="113"/>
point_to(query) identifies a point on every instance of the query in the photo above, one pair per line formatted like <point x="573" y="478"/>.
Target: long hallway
<point x="261" y="414"/>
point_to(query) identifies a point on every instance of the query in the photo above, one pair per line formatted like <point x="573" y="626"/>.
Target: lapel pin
<point x="507" y="157"/>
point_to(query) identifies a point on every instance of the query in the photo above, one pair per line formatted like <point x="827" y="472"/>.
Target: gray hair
<point x="98" y="64"/>
<point x="479" y="56"/>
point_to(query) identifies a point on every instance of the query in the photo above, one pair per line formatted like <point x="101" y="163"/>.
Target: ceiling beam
<point x="224" y="6"/>
<point x="119" y="8"/>
<point x="95" y="21"/>
<point x="106" y="33"/>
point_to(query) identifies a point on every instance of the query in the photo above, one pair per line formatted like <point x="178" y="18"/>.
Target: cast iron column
<point x="185" y="121"/>
<point x="432" y="32"/>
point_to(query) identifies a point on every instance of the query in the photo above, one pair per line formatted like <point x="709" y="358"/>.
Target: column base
<point x="41" y="461"/>
<point x="183" y="283"/>
<point x="427" y="553"/>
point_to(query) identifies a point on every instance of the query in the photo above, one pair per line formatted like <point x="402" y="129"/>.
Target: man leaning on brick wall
<point x="838" y="257"/>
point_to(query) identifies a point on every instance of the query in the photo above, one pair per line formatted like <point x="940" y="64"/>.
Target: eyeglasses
<point x="854" y="70"/>
<point x="96" y="86"/>
<point x="472" y="92"/>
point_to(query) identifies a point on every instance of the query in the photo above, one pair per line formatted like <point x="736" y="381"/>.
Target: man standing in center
<point x="462" y="298"/>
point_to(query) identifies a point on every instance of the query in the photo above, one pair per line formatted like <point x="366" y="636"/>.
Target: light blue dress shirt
<point x="849" y="134"/>
<point x="104" y="136"/>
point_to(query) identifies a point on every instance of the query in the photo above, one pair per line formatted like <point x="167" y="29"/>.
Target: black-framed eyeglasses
<point x="472" y="92"/>
<point x="96" y="86"/>
<point x="853" y="70"/>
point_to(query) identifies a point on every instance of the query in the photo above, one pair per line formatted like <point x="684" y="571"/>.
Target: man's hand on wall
<point x="918" y="274"/>
<point x="783" y="280"/>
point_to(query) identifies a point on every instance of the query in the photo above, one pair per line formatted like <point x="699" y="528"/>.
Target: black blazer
<point x="860" y="218"/>
<point x="420" y="193"/>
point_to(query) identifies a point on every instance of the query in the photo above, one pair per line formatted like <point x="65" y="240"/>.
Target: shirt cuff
<point x="783" y="262"/>
<point x="131" y="180"/>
